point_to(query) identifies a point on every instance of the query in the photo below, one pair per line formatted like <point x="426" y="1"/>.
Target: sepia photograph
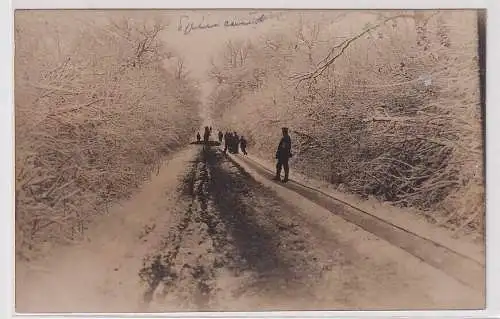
<point x="249" y="160"/>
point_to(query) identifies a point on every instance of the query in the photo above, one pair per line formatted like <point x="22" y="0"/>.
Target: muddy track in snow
<point x="223" y="233"/>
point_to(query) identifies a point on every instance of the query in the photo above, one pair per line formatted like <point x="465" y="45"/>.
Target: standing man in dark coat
<point x="226" y="141"/>
<point x="243" y="145"/>
<point x="206" y="138"/>
<point x="230" y="142"/>
<point x="220" y="136"/>
<point x="236" y="143"/>
<point x="283" y="154"/>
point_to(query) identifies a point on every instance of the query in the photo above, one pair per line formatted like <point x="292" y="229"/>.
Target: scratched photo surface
<point x="218" y="160"/>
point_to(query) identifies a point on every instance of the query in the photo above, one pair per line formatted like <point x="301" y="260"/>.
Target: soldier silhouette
<point x="243" y="145"/>
<point x="206" y="137"/>
<point x="283" y="154"/>
<point x="226" y="141"/>
<point x="236" y="142"/>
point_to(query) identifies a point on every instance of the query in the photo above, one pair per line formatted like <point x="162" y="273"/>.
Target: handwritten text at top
<point x="188" y="27"/>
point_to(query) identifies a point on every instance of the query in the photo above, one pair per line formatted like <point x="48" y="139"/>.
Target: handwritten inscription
<point x="235" y="23"/>
<point x="188" y="27"/>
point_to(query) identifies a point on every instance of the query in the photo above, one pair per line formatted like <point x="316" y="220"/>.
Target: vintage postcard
<point x="249" y="160"/>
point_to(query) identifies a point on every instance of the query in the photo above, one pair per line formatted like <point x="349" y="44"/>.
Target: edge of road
<point x="466" y="269"/>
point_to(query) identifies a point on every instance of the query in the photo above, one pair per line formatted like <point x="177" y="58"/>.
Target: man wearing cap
<point x="283" y="154"/>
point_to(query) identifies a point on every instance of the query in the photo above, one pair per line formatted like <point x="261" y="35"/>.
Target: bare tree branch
<point x="338" y="50"/>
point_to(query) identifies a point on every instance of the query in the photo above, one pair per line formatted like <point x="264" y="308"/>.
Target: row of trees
<point x="96" y="108"/>
<point x="388" y="105"/>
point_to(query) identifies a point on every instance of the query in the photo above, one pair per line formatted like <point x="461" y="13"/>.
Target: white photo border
<point x="492" y="146"/>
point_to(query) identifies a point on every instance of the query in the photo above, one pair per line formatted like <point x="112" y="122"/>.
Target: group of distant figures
<point x="233" y="143"/>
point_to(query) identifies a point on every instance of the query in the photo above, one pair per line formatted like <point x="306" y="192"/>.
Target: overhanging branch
<point x="338" y="50"/>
